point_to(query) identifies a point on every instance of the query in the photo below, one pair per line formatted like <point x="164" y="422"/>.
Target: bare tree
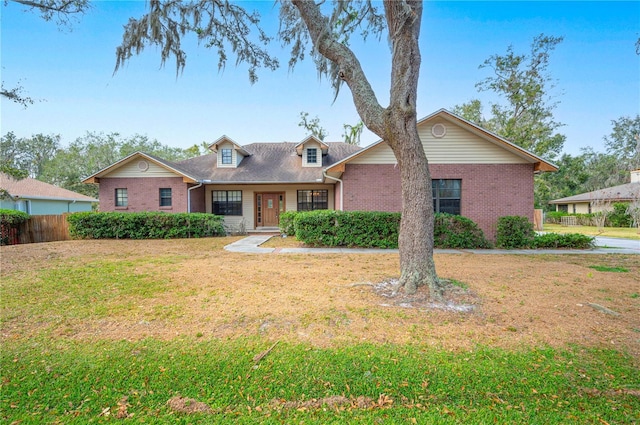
<point x="601" y="208"/>
<point x="226" y="26"/>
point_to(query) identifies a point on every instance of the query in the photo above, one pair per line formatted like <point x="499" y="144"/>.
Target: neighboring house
<point x="475" y="173"/>
<point x="39" y="198"/>
<point x="591" y="202"/>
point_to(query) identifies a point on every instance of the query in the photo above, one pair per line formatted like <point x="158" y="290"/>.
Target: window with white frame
<point x="122" y="197"/>
<point x="312" y="155"/>
<point x="165" y="197"/>
<point x="227" y="156"/>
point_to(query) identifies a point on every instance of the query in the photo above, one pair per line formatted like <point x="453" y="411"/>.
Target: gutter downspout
<point x="189" y="195"/>
<point x="324" y="173"/>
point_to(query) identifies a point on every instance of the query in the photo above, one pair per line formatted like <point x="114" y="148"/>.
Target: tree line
<point x="45" y="158"/>
<point x="525" y="116"/>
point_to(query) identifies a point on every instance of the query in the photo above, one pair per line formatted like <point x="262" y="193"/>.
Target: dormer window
<point x="226" y="156"/>
<point x="312" y="156"/>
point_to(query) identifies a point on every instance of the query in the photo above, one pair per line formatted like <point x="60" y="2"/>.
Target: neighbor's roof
<point x="268" y="163"/>
<point x="29" y="188"/>
<point x="623" y="192"/>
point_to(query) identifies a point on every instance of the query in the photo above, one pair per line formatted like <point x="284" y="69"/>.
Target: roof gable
<point x="138" y="164"/>
<point x="448" y="138"/>
<point x="224" y="139"/>
<point x="314" y="141"/>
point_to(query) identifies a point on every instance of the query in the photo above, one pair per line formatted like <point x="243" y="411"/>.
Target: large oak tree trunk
<point x="396" y="124"/>
<point x="417" y="267"/>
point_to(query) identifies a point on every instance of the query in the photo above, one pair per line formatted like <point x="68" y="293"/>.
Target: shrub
<point x="372" y="229"/>
<point x="9" y="222"/>
<point x="619" y="217"/>
<point x="567" y="240"/>
<point x="286" y="223"/>
<point x="366" y="229"/>
<point x="514" y="232"/>
<point x="455" y="231"/>
<point x="554" y="217"/>
<point x="143" y="225"/>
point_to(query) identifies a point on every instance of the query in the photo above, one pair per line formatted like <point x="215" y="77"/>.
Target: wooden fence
<point x="44" y="228"/>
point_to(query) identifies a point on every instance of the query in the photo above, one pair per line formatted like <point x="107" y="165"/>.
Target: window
<point x="446" y="196"/>
<point x="122" y="199"/>
<point x="563" y="208"/>
<point x="309" y="200"/>
<point x="227" y="202"/>
<point x="165" y="197"/>
<point x="23" y="205"/>
<point x="226" y="156"/>
<point x="312" y="156"/>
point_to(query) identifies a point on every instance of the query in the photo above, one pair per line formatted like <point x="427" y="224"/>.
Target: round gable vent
<point x="143" y="166"/>
<point x="438" y="130"/>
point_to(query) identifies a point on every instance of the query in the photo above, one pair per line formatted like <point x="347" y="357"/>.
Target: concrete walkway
<point x="251" y="245"/>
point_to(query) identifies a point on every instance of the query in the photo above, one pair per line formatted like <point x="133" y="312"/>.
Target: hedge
<point x="567" y="241"/>
<point x="517" y="232"/>
<point x="9" y="222"/>
<point x="365" y="229"/>
<point x="374" y="229"/>
<point x="144" y="225"/>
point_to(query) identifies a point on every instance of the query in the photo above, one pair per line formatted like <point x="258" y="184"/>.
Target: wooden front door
<point x="269" y="206"/>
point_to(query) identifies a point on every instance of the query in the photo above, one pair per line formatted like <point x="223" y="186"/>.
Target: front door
<point x="269" y="206"/>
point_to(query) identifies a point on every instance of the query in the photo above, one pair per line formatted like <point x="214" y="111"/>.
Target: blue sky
<point x="596" y="69"/>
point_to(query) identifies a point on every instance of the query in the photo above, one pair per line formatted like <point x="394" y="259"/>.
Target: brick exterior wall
<point x="144" y="194"/>
<point x="489" y="191"/>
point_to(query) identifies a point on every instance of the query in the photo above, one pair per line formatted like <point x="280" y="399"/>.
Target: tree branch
<point x="348" y="69"/>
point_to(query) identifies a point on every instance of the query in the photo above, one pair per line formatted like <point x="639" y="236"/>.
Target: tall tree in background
<point x="522" y="80"/>
<point x="29" y="154"/>
<point x="312" y="126"/>
<point x="352" y="133"/>
<point x="624" y="142"/>
<point x="226" y="26"/>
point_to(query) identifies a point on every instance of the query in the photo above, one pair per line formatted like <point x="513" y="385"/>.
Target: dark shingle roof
<point x="268" y="163"/>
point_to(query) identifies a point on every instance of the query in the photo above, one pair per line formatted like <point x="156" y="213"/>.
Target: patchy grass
<point x="100" y="331"/>
<point x="610" y="269"/>
<point x="609" y="232"/>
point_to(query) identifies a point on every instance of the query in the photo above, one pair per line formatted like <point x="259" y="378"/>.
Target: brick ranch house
<point x="475" y="173"/>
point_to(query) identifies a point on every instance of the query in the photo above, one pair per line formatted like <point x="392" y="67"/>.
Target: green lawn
<point x="60" y="364"/>
<point x="63" y="381"/>
<point x="610" y="232"/>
